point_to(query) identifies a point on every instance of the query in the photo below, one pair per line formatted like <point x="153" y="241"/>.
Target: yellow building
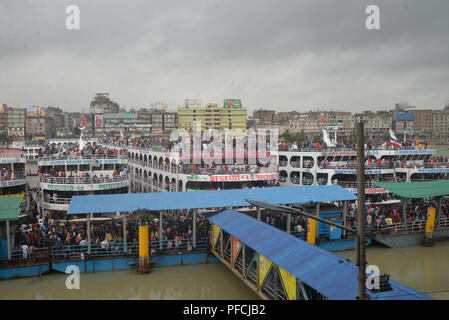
<point x="212" y="117"/>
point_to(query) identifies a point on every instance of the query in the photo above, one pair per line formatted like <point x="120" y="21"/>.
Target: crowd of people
<point x="52" y="231"/>
<point x="62" y="151"/>
<point x="51" y="175"/>
<point x="9" y="175"/>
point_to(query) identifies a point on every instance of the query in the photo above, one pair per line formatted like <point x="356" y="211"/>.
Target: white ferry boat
<point x="64" y="175"/>
<point x="333" y="165"/>
<point x="156" y="170"/>
<point x="12" y="171"/>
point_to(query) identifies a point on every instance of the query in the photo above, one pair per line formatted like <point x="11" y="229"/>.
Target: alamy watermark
<point x="372" y="21"/>
<point x="73" y="280"/>
<point x="72" y="22"/>
<point x="211" y="146"/>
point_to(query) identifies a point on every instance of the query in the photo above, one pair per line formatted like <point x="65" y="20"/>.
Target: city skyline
<point x="288" y="56"/>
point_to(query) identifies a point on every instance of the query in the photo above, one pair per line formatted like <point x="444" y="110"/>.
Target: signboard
<point x="351" y="171"/>
<point x="340" y="153"/>
<point x="98" y="121"/>
<point x="368" y="190"/>
<point x="243" y="177"/>
<point x="192" y="102"/>
<point x="289" y="282"/>
<point x="80" y="161"/>
<point x="264" y="268"/>
<point x="64" y="187"/>
<point x="232" y="103"/>
<point x="407" y="152"/>
<point x="441" y="170"/>
<point x="3" y="108"/>
<point x="35" y="111"/>
<point x="84" y="187"/>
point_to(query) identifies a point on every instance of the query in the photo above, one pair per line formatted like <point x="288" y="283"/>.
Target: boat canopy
<point x="415" y="190"/>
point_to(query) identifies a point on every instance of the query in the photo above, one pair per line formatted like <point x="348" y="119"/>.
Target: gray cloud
<point x="279" y="54"/>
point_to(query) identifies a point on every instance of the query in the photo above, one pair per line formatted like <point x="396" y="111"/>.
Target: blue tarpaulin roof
<point x="329" y="274"/>
<point x="206" y="199"/>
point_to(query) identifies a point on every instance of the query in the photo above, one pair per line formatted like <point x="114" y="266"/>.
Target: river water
<point x="421" y="268"/>
<point x="212" y="281"/>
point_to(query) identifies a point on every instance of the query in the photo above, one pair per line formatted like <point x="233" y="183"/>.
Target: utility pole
<point x="361" y="218"/>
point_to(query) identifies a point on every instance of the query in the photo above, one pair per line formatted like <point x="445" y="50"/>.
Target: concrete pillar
<point x="194" y="229"/>
<point x="143" y="250"/>
<point x="404" y="214"/>
<point x="289" y="220"/>
<point x="88" y="234"/>
<point x="258" y="213"/>
<point x="8" y="239"/>
<point x="345" y="214"/>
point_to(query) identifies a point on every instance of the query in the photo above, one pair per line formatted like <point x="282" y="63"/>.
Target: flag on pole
<point x="394" y="141"/>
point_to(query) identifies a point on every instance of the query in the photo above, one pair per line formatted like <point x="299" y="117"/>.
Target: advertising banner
<point x="216" y="234"/>
<point x="236" y="246"/>
<point x="98" y="121"/>
<point x="264" y="268"/>
<point x="232" y="103"/>
<point x="35" y="111"/>
<point x="289" y="282"/>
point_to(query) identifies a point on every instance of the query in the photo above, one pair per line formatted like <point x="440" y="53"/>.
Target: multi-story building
<point x="266" y="116"/>
<point x="423" y="120"/>
<point x="212" y="117"/>
<point x="403" y="122"/>
<point x="306" y="125"/>
<point x="102" y="102"/>
<point x="12" y="121"/>
<point x="377" y="124"/>
<point x="440" y="123"/>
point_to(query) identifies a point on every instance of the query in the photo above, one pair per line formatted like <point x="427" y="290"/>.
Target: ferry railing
<point x="325" y="149"/>
<point x="243" y="169"/>
<point x="353" y="184"/>
<point x="79" y="156"/>
<point x="28" y="254"/>
<point x="52" y="200"/>
<point x="18" y="175"/>
<point x="69" y="252"/>
<point x="301" y="235"/>
<point x="90" y="180"/>
<point x="183" y="244"/>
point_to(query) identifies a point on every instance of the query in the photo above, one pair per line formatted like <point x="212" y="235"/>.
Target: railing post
<point x="88" y="234"/>
<point x="125" y="247"/>
<point x="194" y="229"/>
<point x="8" y="239"/>
<point x="160" y="230"/>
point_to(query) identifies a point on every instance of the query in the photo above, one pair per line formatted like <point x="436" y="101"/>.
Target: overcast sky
<point x="285" y="55"/>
